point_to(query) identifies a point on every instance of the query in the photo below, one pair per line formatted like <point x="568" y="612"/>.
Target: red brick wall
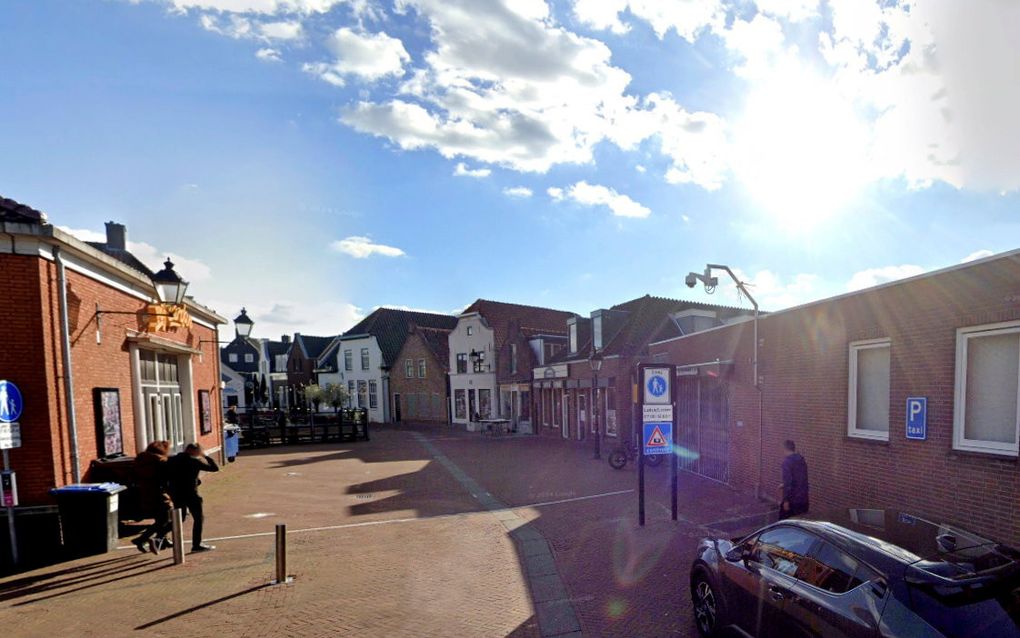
<point x="804" y="360"/>
<point x="35" y="362"/>
<point x="434" y="382"/>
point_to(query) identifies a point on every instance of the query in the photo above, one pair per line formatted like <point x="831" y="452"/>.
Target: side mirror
<point x="737" y="554"/>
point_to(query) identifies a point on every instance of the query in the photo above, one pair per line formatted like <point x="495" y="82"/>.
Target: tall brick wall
<point x="804" y="361"/>
<point x="433" y="383"/>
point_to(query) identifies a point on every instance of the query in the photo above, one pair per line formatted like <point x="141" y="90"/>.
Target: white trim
<point x="852" y="430"/>
<point x="732" y="322"/>
<point x="695" y="312"/>
<point x="960" y="392"/>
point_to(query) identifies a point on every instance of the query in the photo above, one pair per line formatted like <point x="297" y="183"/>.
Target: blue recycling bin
<point x="88" y="517"/>
<point x="231" y="441"/>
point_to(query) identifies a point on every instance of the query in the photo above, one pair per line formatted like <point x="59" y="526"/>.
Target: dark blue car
<point x="860" y="572"/>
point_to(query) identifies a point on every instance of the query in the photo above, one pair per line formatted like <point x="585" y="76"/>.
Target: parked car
<point x="859" y="572"/>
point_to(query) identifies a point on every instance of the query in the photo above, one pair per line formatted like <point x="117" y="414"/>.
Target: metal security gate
<point x="703" y="426"/>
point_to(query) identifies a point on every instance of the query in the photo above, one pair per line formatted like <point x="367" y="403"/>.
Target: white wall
<point x="380" y="413"/>
<point x="482" y="339"/>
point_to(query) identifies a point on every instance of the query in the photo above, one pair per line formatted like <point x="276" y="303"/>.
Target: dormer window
<point x="573" y="336"/>
<point x="596" y="331"/>
<point x="695" y="320"/>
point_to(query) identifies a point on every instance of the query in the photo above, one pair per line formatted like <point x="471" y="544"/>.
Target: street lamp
<point x="596" y="364"/>
<point x="243" y="324"/>
<point x="170" y="288"/>
<point x="710" y="283"/>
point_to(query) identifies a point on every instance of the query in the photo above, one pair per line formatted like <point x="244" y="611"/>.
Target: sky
<point x="312" y="160"/>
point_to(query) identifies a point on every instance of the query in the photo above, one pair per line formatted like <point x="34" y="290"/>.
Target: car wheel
<point x="706" y="606"/>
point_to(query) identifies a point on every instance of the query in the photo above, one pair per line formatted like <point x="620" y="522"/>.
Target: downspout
<point x="65" y="334"/>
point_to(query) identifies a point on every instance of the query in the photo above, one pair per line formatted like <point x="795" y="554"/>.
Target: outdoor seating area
<point x="266" y="429"/>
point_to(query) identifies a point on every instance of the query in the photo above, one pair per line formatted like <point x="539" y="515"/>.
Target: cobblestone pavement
<point x="419" y="532"/>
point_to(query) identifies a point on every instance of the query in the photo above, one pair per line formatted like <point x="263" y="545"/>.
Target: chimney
<point x="116" y="235"/>
<point x="285" y="338"/>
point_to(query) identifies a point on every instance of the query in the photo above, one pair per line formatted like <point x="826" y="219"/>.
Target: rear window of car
<point x="833" y="570"/>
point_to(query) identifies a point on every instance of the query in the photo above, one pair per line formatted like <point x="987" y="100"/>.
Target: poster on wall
<point x="205" y="411"/>
<point x="109" y="430"/>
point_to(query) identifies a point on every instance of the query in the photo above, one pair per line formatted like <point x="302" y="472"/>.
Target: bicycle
<point x="619" y="456"/>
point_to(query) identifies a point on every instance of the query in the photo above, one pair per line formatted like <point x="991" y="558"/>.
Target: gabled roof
<point x="123" y="256"/>
<point x="274" y="348"/>
<point x="311" y="346"/>
<point x="327" y="360"/>
<point x="18" y="213"/>
<point x="501" y="316"/>
<point x="438" y="341"/>
<point x="390" y="328"/>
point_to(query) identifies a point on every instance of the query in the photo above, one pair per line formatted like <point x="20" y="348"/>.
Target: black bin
<point x="88" y="517"/>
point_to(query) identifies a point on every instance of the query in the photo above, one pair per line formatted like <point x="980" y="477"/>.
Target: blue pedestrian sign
<point x="658" y="438"/>
<point x="917" y="418"/>
<point x="11" y="403"/>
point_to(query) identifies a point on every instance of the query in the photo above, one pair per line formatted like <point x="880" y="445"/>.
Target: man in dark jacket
<point x="795" y="483"/>
<point x="183" y="469"/>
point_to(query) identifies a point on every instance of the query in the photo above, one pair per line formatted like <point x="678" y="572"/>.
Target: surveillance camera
<point x="691" y="280"/>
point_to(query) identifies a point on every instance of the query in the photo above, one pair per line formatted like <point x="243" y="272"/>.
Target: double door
<point x="163" y="415"/>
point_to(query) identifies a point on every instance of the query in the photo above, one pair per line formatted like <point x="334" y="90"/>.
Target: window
<point x="596" y="331"/>
<point x="479" y="365"/>
<point x="573" y="337"/>
<point x="362" y="394"/>
<point x="834" y="571"/>
<point x="784" y="549"/>
<point x="373" y="394"/>
<point x="610" y="427"/>
<point x="421" y="368"/>
<point x="461" y="363"/>
<point x="409" y="368"/>
<point x="364" y="358"/>
<point x="348" y="360"/>
<point x="986" y="415"/>
<point x="232" y="357"/>
<point x="460" y="404"/>
<point x="868" y="403"/>
<point x="470" y="330"/>
<point x="350" y="394"/>
<point x="513" y="358"/>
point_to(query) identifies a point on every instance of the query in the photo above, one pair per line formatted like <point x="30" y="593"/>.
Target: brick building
<point x="564" y="392"/>
<point x="835" y="376"/>
<point x="302" y="359"/>
<point x="103" y="370"/>
<point x="420" y="387"/>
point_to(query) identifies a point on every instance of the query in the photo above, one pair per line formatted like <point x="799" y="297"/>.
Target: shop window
<point x="460" y="404"/>
<point x="421" y="368"/>
<point x="409" y="368"/>
<point x="868" y="402"/>
<point x="348" y="360"/>
<point x="485" y="403"/>
<point x="373" y="395"/>
<point x="461" y="363"/>
<point x="988" y="389"/>
<point x="611" y="427"/>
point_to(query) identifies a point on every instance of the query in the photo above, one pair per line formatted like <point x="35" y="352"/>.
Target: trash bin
<point x="88" y="517"/>
<point x="231" y="441"/>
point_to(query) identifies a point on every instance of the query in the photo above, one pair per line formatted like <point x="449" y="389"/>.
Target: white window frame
<point x="573" y="337"/>
<point x="421" y="369"/>
<point x="852" y="431"/>
<point x="232" y="357"/>
<point x="470" y="330"/>
<point x="960" y="392"/>
<point x="409" y="368"/>
<point x="349" y="360"/>
<point x="365" y="359"/>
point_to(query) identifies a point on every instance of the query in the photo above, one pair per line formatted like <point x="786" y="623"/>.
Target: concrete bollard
<point x="281" y="555"/>
<point x="177" y="519"/>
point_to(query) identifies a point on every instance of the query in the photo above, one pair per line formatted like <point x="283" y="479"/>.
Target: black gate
<point x="703" y="426"/>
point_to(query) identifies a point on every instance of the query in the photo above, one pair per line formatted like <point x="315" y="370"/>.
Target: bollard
<point x="281" y="555"/>
<point x="177" y="518"/>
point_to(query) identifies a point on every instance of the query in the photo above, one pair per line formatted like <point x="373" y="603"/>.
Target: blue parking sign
<point x="917" y="418"/>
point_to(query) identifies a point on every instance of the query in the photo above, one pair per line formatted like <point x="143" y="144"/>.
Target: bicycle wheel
<point x="618" y="458"/>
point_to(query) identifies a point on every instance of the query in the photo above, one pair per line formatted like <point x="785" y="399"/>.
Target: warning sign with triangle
<point x="657" y="439"/>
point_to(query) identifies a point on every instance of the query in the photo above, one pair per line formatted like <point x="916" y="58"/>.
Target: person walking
<point x="795" y="483"/>
<point x="184" y="469"/>
<point x="153" y="497"/>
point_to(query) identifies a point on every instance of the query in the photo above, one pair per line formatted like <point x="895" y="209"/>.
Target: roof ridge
<point x="517" y="305"/>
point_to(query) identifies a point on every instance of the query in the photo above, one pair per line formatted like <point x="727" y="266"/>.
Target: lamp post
<point x="243" y="325"/>
<point x="596" y="364"/>
<point x="170" y="288"/>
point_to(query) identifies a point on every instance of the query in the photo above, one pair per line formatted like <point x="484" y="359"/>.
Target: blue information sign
<point x="917" y="418"/>
<point x="658" y="438"/>
<point x="11" y="403"/>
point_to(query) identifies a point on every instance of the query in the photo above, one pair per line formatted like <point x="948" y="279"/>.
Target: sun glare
<point x="801" y="150"/>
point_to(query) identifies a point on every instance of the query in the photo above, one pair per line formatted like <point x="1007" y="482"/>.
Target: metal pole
<point x="177" y="519"/>
<point x="595" y="413"/>
<point x="281" y="555"/>
<point x="641" y="483"/>
<point x="12" y="532"/>
<point x="65" y="338"/>
<point x="672" y="452"/>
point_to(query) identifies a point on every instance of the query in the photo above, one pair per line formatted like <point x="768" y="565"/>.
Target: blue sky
<point x="314" y="159"/>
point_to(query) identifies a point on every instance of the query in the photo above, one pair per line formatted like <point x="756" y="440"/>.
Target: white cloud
<point x="639" y="168"/>
<point x="687" y="18"/>
<point x="977" y="254"/>
<point x="241" y="27"/>
<point x="596" y="195"/>
<point x="792" y="10"/>
<point x="877" y="276"/>
<point x="369" y="56"/>
<point x="268" y="54"/>
<point x="461" y="170"/>
<point x="287" y="316"/>
<point x="519" y="192"/>
<point x="268" y="7"/>
<point x="286" y="30"/>
<point x="191" y="270"/>
<point x="771" y="290"/>
<point x="363" y="247"/>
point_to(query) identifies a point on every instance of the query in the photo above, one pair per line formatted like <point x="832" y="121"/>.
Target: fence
<point x="264" y="429"/>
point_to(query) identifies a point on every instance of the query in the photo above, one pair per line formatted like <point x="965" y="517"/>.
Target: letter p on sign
<point x="917" y="418"/>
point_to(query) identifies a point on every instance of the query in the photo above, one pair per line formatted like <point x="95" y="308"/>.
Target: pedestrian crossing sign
<point x="658" y="438"/>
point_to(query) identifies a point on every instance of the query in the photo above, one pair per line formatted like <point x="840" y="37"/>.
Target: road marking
<point x="391" y="521"/>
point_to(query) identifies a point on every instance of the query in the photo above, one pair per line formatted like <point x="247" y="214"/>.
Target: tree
<point x="316" y="395"/>
<point x="335" y="395"/>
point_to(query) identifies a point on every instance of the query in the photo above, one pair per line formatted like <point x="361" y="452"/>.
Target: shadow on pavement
<point x="190" y="610"/>
<point x="120" y="575"/>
